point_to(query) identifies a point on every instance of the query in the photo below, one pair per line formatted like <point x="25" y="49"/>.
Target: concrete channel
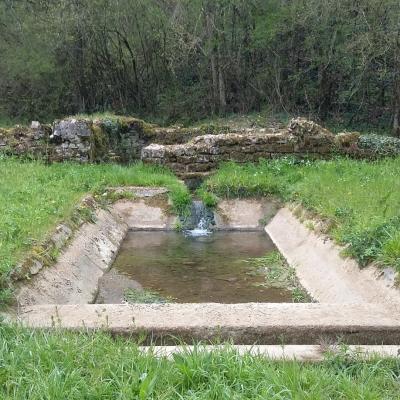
<point x="354" y="306"/>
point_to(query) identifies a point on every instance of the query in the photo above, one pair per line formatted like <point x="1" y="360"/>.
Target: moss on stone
<point x="99" y="143"/>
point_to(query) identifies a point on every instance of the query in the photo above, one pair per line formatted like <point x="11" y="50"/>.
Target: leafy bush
<point x="368" y="245"/>
<point x="380" y="145"/>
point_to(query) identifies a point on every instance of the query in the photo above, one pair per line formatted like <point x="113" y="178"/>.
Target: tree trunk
<point x="214" y="80"/>
<point x="396" y="120"/>
<point x="396" y="91"/>
<point x="221" y="87"/>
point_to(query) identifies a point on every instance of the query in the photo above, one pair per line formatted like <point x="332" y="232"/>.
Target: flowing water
<point x="192" y="269"/>
<point x="200" y="220"/>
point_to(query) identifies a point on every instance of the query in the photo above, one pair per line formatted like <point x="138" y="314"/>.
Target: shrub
<point x="380" y="145"/>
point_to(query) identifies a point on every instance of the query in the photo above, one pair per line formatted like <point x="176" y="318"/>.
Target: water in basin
<point x="192" y="269"/>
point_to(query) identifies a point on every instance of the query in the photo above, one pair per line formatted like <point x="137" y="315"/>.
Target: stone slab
<point x="143" y="215"/>
<point x="246" y="214"/>
<point x="139" y="191"/>
<point x="252" y="323"/>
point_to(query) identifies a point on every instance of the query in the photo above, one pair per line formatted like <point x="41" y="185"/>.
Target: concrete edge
<point x="250" y="323"/>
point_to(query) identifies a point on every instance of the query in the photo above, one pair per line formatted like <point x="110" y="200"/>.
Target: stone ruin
<point x="119" y="139"/>
<point x="189" y="152"/>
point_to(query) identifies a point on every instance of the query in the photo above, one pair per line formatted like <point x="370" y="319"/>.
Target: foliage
<point x="94" y="365"/>
<point x="190" y="59"/>
<point x="210" y="200"/>
<point x="362" y="199"/>
<point x="381" y="145"/>
<point x="35" y="197"/>
<point x="380" y="242"/>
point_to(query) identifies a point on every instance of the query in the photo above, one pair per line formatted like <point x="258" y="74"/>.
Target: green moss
<point x="4" y="132"/>
<point x="99" y="143"/>
<point x="210" y="129"/>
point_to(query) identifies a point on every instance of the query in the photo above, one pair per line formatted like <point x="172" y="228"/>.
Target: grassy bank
<point x="62" y="365"/>
<point x="361" y="198"/>
<point x="35" y="197"/>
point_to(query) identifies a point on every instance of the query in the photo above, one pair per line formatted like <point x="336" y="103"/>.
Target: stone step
<point x="252" y="323"/>
<point x="309" y="353"/>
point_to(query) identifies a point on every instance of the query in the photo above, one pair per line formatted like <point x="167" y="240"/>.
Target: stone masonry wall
<point x="24" y="141"/>
<point x="118" y="139"/>
<point x="67" y="140"/>
<point x="187" y="151"/>
<point x="203" y="154"/>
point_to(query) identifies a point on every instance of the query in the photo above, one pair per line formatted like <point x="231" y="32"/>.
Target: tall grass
<point x="35" y="197"/>
<point x="361" y="198"/>
<point x="62" y="365"/>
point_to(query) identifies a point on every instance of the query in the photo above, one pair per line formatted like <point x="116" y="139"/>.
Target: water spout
<point x="200" y="220"/>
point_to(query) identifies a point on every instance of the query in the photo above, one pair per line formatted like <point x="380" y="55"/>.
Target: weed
<point x="178" y="226"/>
<point x="209" y="199"/>
<point x="279" y="274"/>
<point x="144" y="296"/>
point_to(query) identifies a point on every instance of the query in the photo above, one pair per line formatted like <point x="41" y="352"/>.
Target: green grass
<point x="7" y="122"/>
<point x="35" y="197"/>
<point x="361" y="198"/>
<point x="64" y="365"/>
